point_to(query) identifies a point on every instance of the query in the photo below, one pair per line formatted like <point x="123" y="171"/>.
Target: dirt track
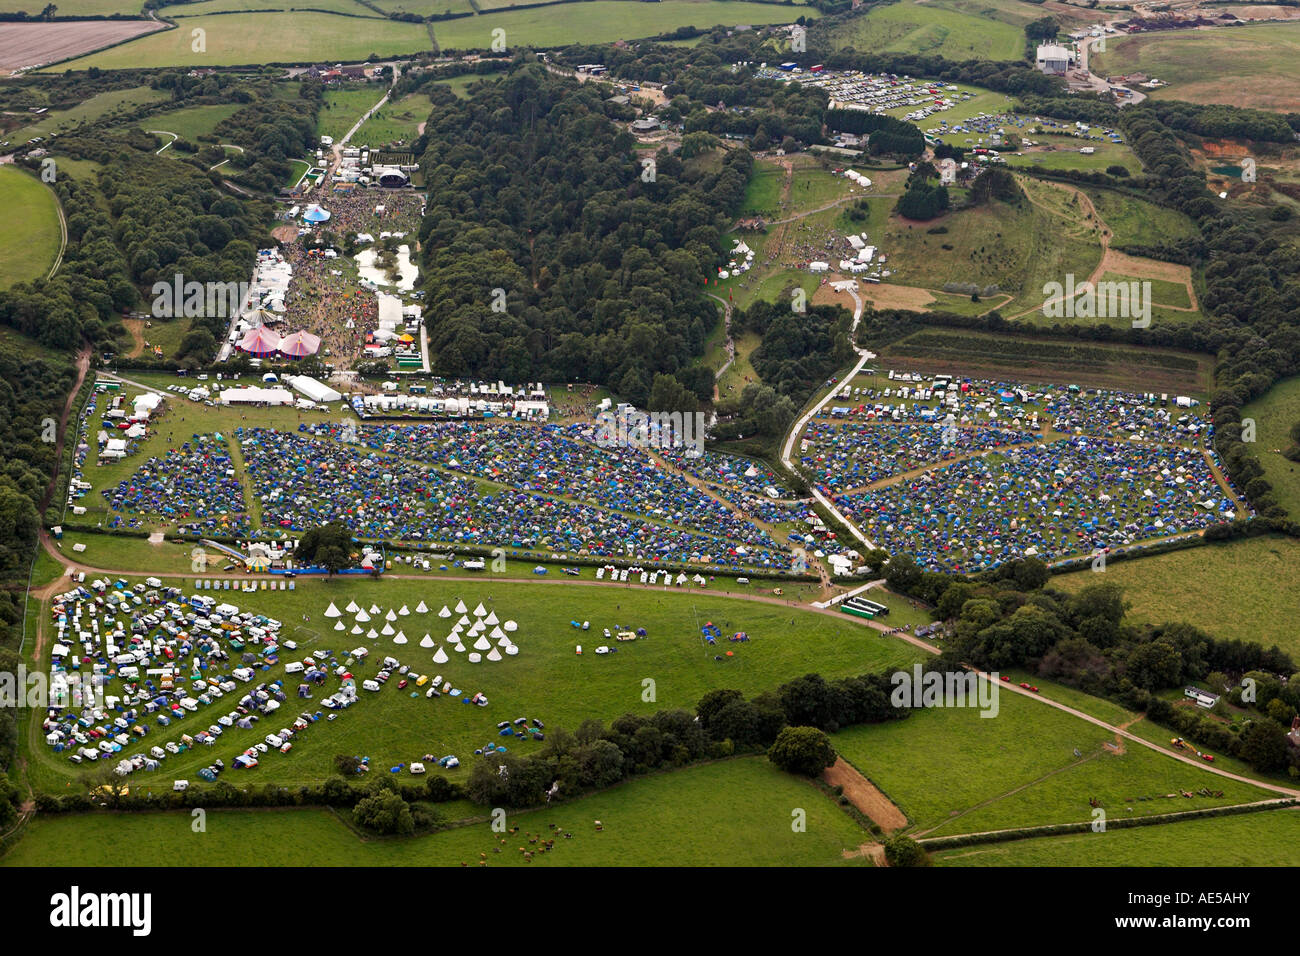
<point x="864" y="795"/>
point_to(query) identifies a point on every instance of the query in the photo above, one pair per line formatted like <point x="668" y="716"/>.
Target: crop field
<point x="547" y="680"/>
<point x="240" y="38"/>
<point x="76" y="8"/>
<point x="1264" y="839"/>
<point x="952" y="771"/>
<point x="1275" y="414"/>
<point x="1249" y="66"/>
<point x="204" y="7"/>
<point x="667" y="819"/>
<point x="933" y="29"/>
<point x="30" y="240"/>
<point x="1221" y="588"/>
<point x="28" y="45"/>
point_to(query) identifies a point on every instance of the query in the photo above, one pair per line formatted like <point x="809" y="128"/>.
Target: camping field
<point x="1248" y="66"/>
<point x="1220" y="588"/>
<point x="1252" y="839"/>
<point x="547" y="680"/>
<point x="30" y="240"/>
<point x="952" y="771"/>
<point x="394" y="122"/>
<point x="730" y="813"/>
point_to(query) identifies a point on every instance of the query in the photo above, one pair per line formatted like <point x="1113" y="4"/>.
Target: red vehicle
<point x="401" y="683"/>
<point x="1208" y="758"/>
<point x="1006" y="678"/>
<point x="1024" y="685"/>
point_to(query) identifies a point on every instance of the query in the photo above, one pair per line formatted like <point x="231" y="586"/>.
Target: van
<point x="293" y="667"/>
<point x="370" y="685"/>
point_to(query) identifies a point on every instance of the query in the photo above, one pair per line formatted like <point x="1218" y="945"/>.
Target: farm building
<point x="1054" y="58"/>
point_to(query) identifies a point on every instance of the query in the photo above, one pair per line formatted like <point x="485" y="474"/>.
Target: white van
<point x="370" y="685"/>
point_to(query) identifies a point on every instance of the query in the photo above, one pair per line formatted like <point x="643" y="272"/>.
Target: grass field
<point x="343" y="107"/>
<point x="204" y="7"/>
<point x="30" y="240"/>
<point x="426" y="8"/>
<point x="933" y="29"/>
<point x="1274" y="415"/>
<point x="1250" y="66"/>
<point x="1222" y="588"/>
<point x="96" y="108"/>
<point x="1270" y="838"/>
<point x="240" y="38"/>
<point x="396" y="122"/>
<point x="603" y="21"/>
<point x="193" y="121"/>
<point x="76" y="8"/>
<point x="952" y="771"/>
<point x="1134" y="221"/>
<point x="547" y="680"/>
<point x="732" y="813"/>
<point x="1066" y="155"/>
<point x="1162" y="292"/>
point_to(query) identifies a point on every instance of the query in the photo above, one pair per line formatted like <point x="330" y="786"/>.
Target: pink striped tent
<point x="260" y="341"/>
<point x="300" y="345"/>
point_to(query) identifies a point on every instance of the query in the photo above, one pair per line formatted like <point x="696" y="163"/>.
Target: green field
<point x="343" y="107"/>
<point x="193" y="121"/>
<point x="547" y="680"/>
<point x="1066" y="155"/>
<point x="427" y="8"/>
<point x="1221" y="588"/>
<point x="248" y="38"/>
<point x="732" y="813"/>
<point x="30" y="240"/>
<point x="603" y="21"/>
<point x="75" y="8"/>
<point x="204" y="7"/>
<point x="932" y="29"/>
<point x="1274" y="415"/>
<point x="1248" y="66"/>
<point x="1134" y="221"/>
<point x="952" y="771"/>
<point x="100" y="106"/>
<point x="1163" y="292"/>
<point x="1269" y="838"/>
<point x="396" y="122"/>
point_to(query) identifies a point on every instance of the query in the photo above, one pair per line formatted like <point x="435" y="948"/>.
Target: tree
<point x="384" y="812"/>
<point x="802" y="750"/>
<point x="1264" y="746"/>
<point x="330" y="546"/>
<point x="904" y="851"/>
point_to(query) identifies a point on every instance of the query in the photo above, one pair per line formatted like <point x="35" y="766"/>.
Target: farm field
<point x="667" y="819"/>
<point x="30" y="240"/>
<point x="1275" y="414"/>
<point x="428" y="8"/>
<point x="76" y="8"/>
<point x="1220" y="588"/>
<point x="1248" y="66"/>
<point x="25" y="46"/>
<point x="240" y="38"/>
<point x="603" y="21"/>
<point x="392" y="727"/>
<point x="952" y="771"/>
<point x="933" y="29"/>
<point x="1268" y="838"/>
<point x="204" y="7"/>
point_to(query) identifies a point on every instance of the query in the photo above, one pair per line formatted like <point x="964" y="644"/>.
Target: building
<point x="947" y="171"/>
<point x="1054" y="59"/>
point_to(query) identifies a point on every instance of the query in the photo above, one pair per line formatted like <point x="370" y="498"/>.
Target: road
<point x="796" y="430"/>
<point x="726" y="331"/>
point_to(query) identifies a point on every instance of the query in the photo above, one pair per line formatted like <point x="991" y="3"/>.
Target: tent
<point x="315" y="213"/>
<point x="260" y="341"/>
<point x="332" y="611"/>
<point x="300" y="345"/>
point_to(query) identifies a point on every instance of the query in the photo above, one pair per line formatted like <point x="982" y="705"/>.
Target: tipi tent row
<point x="489" y="638"/>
